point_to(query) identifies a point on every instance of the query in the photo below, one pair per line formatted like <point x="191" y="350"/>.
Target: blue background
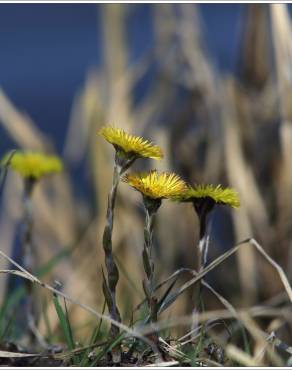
<point x="46" y="50"/>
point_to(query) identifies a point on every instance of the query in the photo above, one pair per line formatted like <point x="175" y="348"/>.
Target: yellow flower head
<point x="156" y="186"/>
<point x="33" y="164"/>
<point x="130" y="144"/>
<point x="227" y="196"/>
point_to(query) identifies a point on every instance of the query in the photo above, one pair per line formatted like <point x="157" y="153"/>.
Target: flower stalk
<point x="203" y="207"/>
<point x="109" y="286"/>
<point x="204" y="198"/>
<point x="128" y="148"/>
<point x="151" y="207"/>
<point x="29" y="257"/>
<point x="31" y="166"/>
<point x="154" y="188"/>
<point x="122" y="163"/>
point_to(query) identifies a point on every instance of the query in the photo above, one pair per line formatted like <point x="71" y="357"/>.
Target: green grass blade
<point x="64" y="323"/>
<point x="108" y="348"/>
<point x="94" y="337"/>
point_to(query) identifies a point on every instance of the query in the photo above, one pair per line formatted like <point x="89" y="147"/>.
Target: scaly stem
<point x="151" y="207"/>
<point x="122" y="162"/>
<point x="147" y="257"/>
<point x="109" y="287"/>
<point x="202" y="207"/>
<point x="203" y="250"/>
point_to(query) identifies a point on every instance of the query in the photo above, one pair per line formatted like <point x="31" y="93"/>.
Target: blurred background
<point x="209" y="83"/>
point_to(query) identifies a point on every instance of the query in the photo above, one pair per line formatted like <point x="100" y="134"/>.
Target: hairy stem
<point x="149" y="266"/>
<point x="109" y="286"/>
<point x="122" y="162"/>
<point x="151" y="207"/>
<point x="202" y="207"/>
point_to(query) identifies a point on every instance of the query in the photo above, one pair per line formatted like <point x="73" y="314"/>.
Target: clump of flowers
<point x="31" y="166"/>
<point x="154" y="188"/>
<point x="128" y="148"/>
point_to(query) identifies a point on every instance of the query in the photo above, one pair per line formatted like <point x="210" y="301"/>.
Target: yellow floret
<point x="34" y="164"/>
<point x="130" y="144"/>
<point x="156" y="186"/>
<point x="226" y="196"/>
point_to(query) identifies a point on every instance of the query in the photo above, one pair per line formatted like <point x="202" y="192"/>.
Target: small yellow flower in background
<point x="34" y="165"/>
<point x="156" y="186"/>
<point x="130" y="144"/>
<point x="225" y="196"/>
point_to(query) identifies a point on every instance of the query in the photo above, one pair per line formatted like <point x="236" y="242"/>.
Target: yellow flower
<point x="130" y="144"/>
<point x="227" y="196"/>
<point x="155" y="186"/>
<point x="33" y="164"/>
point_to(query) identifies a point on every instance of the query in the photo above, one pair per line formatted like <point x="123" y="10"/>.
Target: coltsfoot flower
<point x="130" y="144"/>
<point x="219" y="195"/>
<point x="156" y="186"/>
<point x="34" y="165"/>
